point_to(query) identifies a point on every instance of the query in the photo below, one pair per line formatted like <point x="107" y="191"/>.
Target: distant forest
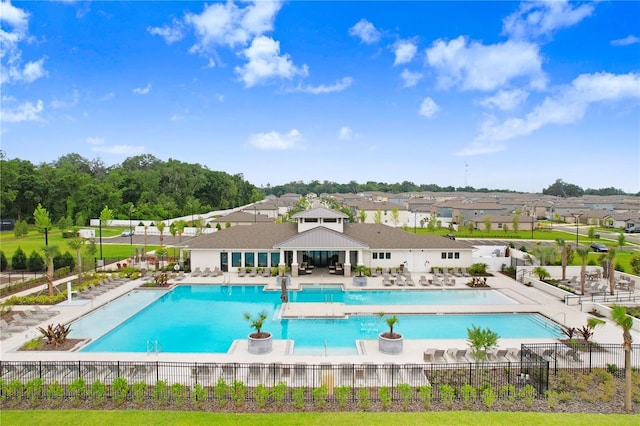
<point x="558" y="188"/>
<point x="76" y="188"/>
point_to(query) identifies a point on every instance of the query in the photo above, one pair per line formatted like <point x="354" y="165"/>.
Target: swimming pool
<point x="201" y="319"/>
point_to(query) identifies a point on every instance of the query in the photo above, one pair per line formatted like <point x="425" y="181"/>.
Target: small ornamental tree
<point x="19" y="260"/>
<point x="481" y="341"/>
<point x="391" y="322"/>
<point x="257" y="322"/>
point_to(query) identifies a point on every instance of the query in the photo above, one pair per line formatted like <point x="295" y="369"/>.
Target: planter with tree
<point x="390" y="342"/>
<point x="259" y="342"/>
<point x="360" y="277"/>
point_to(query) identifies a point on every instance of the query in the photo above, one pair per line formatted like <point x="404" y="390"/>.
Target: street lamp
<point x="533" y="216"/>
<point x="100" y="230"/>
<point x="131" y="209"/>
<point x="577" y="218"/>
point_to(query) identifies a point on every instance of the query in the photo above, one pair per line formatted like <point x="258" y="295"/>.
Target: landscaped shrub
<point x="342" y="394"/>
<point x="119" y="389"/>
<point x="35" y="263"/>
<point x="384" y="394"/>
<point x="425" y="393"/>
<point x="19" y="260"/>
<point x="3" y="261"/>
<point x="298" y="397"/>
<point x="364" y="398"/>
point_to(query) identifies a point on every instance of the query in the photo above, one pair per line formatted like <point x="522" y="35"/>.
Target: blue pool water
<point x="201" y="319"/>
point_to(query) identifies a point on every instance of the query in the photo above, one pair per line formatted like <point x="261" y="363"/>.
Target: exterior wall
<point x="419" y="260"/>
<point x="335" y="226"/>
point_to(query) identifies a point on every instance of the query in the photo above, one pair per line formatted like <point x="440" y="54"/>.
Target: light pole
<point x="533" y="216"/>
<point x="100" y="230"/>
<point x="131" y="209"/>
<point x="577" y="217"/>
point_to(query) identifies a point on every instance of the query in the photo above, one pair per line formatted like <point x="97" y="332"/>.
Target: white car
<point x="127" y="233"/>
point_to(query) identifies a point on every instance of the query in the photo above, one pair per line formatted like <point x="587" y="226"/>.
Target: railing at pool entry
<point x="153" y="347"/>
<point x="220" y="381"/>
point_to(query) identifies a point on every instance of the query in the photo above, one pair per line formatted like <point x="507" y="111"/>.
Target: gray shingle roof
<point x="320" y="212"/>
<point x="322" y="238"/>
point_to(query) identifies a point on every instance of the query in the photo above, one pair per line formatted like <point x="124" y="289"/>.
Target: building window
<point x="249" y="259"/>
<point x="311" y="220"/>
<point x="388" y="255"/>
<point x="275" y="259"/>
<point x="381" y="255"/>
<point x="443" y="255"/>
<point x="375" y="255"/>
<point x="236" y="259"/>
<point x="456" y="255"/>
<point x="499" y="225"/>
<point x="330" y="220"/>
<point x="262" y="259"/>
<point x="450" y="255"/>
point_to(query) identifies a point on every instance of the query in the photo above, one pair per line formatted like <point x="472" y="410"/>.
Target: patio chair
<point x="196" y="272"/>
<point x="386" y="281"/>
<point x="433" y="355"/>
<point x="242" y="272"/>
<point x="459" y="355"/>
<point x="499" y="355"/>
<point x="464" y="272"/>
<point x="253" y="272"/>
<point x="206" y="272"/>
<point x="513" y="354"/>
<point x="410" y="282"/>
<point x="11" y="328"/>
<point x="38" y="309"/>
<point x="20" y="320"/>
<point x="423" y="281"/>
<point x="43" y="316"/>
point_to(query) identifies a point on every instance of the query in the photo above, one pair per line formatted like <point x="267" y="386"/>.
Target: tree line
<point x="559" y="188"/>
<point x="77" y="189"/>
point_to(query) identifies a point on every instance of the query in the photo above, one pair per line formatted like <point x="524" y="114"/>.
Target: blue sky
<point x="489" y="94"/>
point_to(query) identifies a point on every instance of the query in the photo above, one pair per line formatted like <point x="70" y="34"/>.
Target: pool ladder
<point x="153" y="347"/>
<point x="328" y="298"/>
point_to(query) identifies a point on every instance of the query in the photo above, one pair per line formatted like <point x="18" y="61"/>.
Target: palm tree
<point x="611" y="255"/>
<point x="76" y="244"/>
<point x="49" y="253"/>
<point x="363" y="216"/>
<point x="563" y="246"/>
<point x="256" y="323"/>
<point x="624" y="321"/>
<point x="583" y="253"/>
<point x="161" y="225"/>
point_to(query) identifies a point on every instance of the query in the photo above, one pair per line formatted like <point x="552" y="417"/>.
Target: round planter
<point x="360" y="281"/>
<point x="260" y="346"/>
<point x="389" y="346"/>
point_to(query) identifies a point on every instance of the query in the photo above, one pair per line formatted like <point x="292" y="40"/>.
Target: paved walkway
<point x="529" y="300"/>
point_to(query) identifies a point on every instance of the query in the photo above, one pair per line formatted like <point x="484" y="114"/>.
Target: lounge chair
<point x="201" y="374"/>
<point x="11" y="328"/>
<point x="457" y="272"/>
<point x="206" y="272"/>
<point x="42" y="316"/>
<point x="20" y="320"/>
<point x="371" y="377"/>
<point x="242" y="272"/>
<point x="386" y="281"/>
<point x="449" y="281"/>
<point x="433" y="355"/>
<point x="274" y="373"/>
<point x="464" y="272"/>
<point x="459" y="355"/>
<point x="513" y="354"/>
<point x="300" y="374"/>
<point x="180" y="276"/>
<point x="196" y="272"/>
<point x="38" y="309"/>
<point x="229" y="372"/>
<point x="347" y="374"/>
<point x="393" y="374"/>
<point x="499" y="355"/>
<point x="423" y="281"/>
<point x="400" y="281"/>
<point x="253" y="272"/>
<point x="410" y="282"/>
<point x="438" y="281"/>
<point x="255" y="376"/>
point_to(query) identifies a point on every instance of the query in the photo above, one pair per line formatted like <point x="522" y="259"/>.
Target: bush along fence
<point x="581" y="356"/>
<point x="275" y="382"/>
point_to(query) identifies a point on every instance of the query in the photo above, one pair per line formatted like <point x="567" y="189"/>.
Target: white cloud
<point x="410" y="78"/>
<point x="365" y="31"/>
<point x="25" y="112"/>
<point x="73" y="101"/>
<point x="176" y="117"/>
<point x="474" y="66"/>
<point x="15" y="31"/>
<point x="15" y="17"/>
<point x="142" y="90"/>
<point x="404" y="50"/>
<point x="345" y="133"/>
<point x="428" y="108"/>
<point x="170" y="33"/>
<point x="265" y="62"/>
<point x="505" y="99"/>
<point x="124" y="150"/>
<point x="276" y="141"/>
<point x="108" y="97"/>
<point x="567" y="106"/>
<point x="542" y="18"/>
<point x="227" y="24"/>
<point x="339" y="86"/>
<point x="94" y="140"/>
<point x="631" y="39"/>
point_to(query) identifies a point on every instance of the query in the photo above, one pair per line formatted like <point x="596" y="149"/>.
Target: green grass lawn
<point x="35" y="241"/>
<point x="456" y="418"/>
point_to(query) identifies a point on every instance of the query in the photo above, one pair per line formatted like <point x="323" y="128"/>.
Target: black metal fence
<point x="580" y="356"/>
<point x="209" y="381"/>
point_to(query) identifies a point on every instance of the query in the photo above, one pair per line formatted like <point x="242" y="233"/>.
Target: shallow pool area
<point x="207" y="319"/>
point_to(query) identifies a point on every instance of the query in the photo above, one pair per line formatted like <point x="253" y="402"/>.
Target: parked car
<point x="633" y="230"/>
<point x="599" y="248"/>
<point x="450" y="236"/>
<point x="127" y="233"/>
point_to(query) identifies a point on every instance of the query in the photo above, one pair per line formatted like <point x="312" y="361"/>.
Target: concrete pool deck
<point x="529" y="300"/>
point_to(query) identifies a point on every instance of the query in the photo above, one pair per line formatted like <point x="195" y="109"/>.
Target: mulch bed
<point x="67" y="345"/>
